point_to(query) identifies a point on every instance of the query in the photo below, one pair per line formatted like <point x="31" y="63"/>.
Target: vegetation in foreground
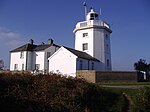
<point x="21" y="92"/>
<point x="53" y="93"/>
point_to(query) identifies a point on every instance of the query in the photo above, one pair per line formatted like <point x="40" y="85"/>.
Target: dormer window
<point x="21" y="54"/>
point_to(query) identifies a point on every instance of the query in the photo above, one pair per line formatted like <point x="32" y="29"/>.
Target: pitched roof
<point x="81" y="54"/>
<point x="32" y="47"/>
<point x="26" y="47"/>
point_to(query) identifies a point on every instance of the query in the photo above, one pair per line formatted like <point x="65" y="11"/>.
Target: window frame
<point x="15" y="66"/>
<point x="108" y="63"/>
<point x="92" y="67"/>
<point x="22" y="54"/>
<point x="80" y="65"/>
<point x="85" y="46"/>
<point x="48" y="54"/>
<point x="85" y="35"/>
<point x="37" y="66"/>
<point x="22" y="66"/>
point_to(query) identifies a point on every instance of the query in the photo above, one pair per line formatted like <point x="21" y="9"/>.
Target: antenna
<point x="85" y="9"/>
<point x="100" y="12"/>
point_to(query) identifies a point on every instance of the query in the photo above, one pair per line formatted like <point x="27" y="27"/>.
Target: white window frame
<point x="22" y="66"/>
<point x="22" y="54"/>
<point x="37" y="66"/>
<point x="15" y="66"/>
<point x="85" y="46"/>
<point x="85" y="34"/>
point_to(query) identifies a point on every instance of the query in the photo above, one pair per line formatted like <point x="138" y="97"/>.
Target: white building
<point x="92" y="51"/>
<point x="32" y="57"/>
<point x="92" y="48"/>
<point x="93" y="37"/>
<point x="67" y="61"/>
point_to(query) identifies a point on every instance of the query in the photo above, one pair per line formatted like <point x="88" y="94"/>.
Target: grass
<point x="125" y="83"/>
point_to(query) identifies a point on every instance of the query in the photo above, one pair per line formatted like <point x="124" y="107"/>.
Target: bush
<point x="142" y="100"/>
<point x="53" y="93"/>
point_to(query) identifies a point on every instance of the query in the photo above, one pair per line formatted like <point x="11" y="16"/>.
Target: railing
<point x="92" y="23"/>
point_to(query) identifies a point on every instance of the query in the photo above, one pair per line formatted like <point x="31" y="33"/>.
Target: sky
<point x="22" y="20"/>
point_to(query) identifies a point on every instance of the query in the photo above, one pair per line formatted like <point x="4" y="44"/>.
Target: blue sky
<point x="21" y="20"/>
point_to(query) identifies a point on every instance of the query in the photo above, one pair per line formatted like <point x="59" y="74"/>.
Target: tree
<point x="1" y="64"/>
<point x="141" y="65"/>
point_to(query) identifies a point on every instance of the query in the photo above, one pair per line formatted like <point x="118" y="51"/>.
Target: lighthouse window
<point x="85" y="46"/>
<point x="107" y="47"/>
<point x="85" y="34"/>
<point x="106" y="36"/>
<point x="107" y="62"/>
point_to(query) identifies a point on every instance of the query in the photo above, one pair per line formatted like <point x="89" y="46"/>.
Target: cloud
<point x="13" y="43"/>
<point x="10" y="38"/>
<point x="7" y="34"/>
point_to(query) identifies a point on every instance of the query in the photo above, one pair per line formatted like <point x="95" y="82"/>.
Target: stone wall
<point x="110" y="76"/>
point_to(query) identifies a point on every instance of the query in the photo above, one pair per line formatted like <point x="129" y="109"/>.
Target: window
<point x="85" y="34"/>
<point x="48" y="54"/>
<point x="80" y="64"/>
<point x="16" y="67"/>
<point x="107" y="62"/>
<point x="22" y="66"/>
<point x="107" y="47"/>
<point x="92" y="65"/>
<point x="22" y="55"/>
<point x="37" y="66"/>
<point x="85" y="46"/>
<point x="106" y="36"/>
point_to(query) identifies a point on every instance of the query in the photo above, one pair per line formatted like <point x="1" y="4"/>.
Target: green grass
<point x="125" y="83"/>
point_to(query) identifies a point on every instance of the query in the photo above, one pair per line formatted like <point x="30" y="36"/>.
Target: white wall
<point x="79" y="40"/>
<point x="15" y="59"/>
<point x="39" y="59"/>
<point x="64" y="62"/>
<point x="97" y="43"/>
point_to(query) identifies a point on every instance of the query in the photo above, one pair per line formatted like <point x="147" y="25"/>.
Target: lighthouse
<point x="93" y="37"/>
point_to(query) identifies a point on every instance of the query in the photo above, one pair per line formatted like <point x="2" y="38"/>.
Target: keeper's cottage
<point x="92" y="50"/>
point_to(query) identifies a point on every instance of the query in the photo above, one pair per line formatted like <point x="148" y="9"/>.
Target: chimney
<point x="42" y="43"/>
<point x="50" y="41"/>
<point x="31" y="41"/>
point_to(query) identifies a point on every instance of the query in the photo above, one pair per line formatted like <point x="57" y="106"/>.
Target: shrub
<point x="142" y="100"/>
<point x="53" y="93"/>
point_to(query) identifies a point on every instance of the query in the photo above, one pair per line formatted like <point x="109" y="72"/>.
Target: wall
<point x="88" y="75"/>
<point x="15" y="59"/>
<point x="39" y="59"/>
<point x="110" y="76"/>
<point x="52" y="50"/>
<point x="79" y="40"/>
<point x="64" y="62"/>
<point x="29" y="60"/>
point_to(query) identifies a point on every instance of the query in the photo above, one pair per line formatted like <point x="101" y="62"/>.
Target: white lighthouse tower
<point x="93" y="37"/>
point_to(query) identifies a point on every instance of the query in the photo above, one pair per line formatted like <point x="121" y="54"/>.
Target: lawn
<point x="125" y="83"/>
